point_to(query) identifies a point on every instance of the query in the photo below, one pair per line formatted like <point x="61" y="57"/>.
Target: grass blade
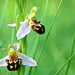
<point x="48" y="34"/>
<point x="70" y="56"/>
<point x="2" y="14"/>
<point x="13" y="30"/>
<point x="64" y="65"/>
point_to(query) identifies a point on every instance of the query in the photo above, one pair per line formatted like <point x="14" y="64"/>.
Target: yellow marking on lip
<point x="19" y="62"/>
<point x="42" y="30"/>
<point x="11" y="67"/>
<point x="15" y="66"/>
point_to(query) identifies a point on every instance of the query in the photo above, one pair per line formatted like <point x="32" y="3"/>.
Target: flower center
<point x="13" y="57"/>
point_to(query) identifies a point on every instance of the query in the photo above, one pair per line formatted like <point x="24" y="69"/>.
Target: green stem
<point x="39" y="36"/>
<point x="23" y="41"/>
<point x="70" y="56"/>
<point x="34" y="54"/>
<point x="18" y="72"/>
<point x="23" y="47"/>
<point x="48" y="35"/>
<point x="36" y="47"/>
<point x="64" y="64"/>
<point x="24" y="7"/>
<point x="22" y="70"/>
<point x="17" y="22"/>
<point x="17" y="27"/>
<point x="21" y="4"/>
<point x="19" y="10"/>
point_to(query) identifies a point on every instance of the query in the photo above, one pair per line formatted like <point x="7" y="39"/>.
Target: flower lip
<point x="13" y="65"/>
<point x="39" y="28"/>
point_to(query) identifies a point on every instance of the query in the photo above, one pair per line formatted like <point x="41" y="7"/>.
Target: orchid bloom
<point x="15" y="59"/>
<point x="29" y="24"/>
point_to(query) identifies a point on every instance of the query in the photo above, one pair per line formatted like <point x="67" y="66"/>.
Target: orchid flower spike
<point x="15" y="59"/>
<point x="29" y="24"/>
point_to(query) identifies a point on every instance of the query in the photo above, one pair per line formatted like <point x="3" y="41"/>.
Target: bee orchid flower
<point x="29" y="24"/>
<point x="15" y="59"/>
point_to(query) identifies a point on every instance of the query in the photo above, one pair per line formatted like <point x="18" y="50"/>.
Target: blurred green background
<point x="59" y="43"/>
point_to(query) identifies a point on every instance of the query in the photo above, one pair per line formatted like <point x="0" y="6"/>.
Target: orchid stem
<point x="19" y="10"/>
<point x="22" y="47"/>
<point x="48" y="35"/>
<point x="24" y="44"/>
<point x="17" y="27"/>
<point x="23" y="41"/>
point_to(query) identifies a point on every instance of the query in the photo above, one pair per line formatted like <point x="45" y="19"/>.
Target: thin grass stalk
<point x="64" y="64"/>
<point x="34" y="54"/>
<point x="13" y="30"/>
<point x="2" y="14"/>
<point x="12" y="35"/>
<point x="48" y="35"/>
<point x="43" y="18"/>
<point x="39" y="36"/>
<point x="70" y="56"/>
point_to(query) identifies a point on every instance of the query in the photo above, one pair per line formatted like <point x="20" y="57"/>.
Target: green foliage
<point x="55" y="53"/>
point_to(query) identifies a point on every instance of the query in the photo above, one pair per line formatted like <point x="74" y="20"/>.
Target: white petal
<point x="12" y="25"/>
<point x="21" y="23"/>
<point x="16" y="46"/>
<point x="3" y="61"/>
<point x="23" y="30"/>
<point x="27" y="60"/>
